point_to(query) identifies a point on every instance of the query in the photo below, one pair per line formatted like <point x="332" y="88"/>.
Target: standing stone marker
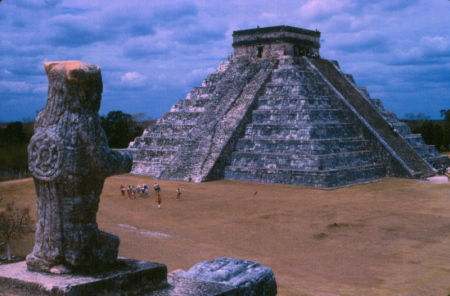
<point x="69" y="159"/>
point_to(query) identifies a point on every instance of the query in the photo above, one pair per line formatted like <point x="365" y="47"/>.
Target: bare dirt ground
<point x="385" y="238"/>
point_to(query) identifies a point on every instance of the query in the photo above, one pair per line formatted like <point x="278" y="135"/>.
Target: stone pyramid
<point x="277" y="112"/>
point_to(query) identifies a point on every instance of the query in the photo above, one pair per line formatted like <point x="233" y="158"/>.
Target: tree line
<point x="14" y="139"/>
<point x="434" y="132"/>
<point x="120" y="129"/>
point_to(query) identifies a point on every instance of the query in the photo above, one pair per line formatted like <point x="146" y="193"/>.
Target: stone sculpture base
<point x="130" y="277"/>
<point x="183" y="286"/>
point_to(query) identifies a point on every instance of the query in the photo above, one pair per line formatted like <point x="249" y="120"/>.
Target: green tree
<point x="143" y="120"/>
<point x="446" y="114"/>
<point x="418" y="116"/>
<point x="14" y="139"/>
<point x="120" y="129"/>
<point x="432" y="133"/>
<point x="14" y="224"/>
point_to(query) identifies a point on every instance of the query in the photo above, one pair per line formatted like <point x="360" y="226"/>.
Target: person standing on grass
<point x="129" y="192"/>
<point x="157" y="188"/>
<point x="145" y="192"/>
<point x="159" y="201"/>
<point x="133" y="192"/>
<point x="178" y="194"/>
<point x="122" y="190"/>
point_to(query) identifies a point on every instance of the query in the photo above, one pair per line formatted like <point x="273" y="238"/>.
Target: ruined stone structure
<point x="276" y="112"/>
<point x="247" y="277"/>
<point x="69" y="159"/>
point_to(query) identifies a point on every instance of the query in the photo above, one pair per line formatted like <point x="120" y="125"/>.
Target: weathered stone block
<point x="126" y="277"/>
<point x="251" y="278"/>
<point x="69" y="159"/>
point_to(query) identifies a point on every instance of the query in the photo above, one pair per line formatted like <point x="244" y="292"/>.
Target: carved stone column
<point x="69" y="158"/>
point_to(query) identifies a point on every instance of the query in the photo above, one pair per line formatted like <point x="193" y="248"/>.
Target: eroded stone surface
<point x="250" y="277"/>
<point x="126" y="277"/>
<point x="69" y="158"/>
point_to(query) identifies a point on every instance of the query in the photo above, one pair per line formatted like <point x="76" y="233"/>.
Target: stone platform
<point x="130" y="277"/>
<point x="183" y="286"/>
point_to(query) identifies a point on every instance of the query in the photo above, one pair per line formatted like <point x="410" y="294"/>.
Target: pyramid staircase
<point x="404" y="160"/>
<point x="155" y="149"/>
<point x="427" y="152"/>
<point x="298" y="135"/>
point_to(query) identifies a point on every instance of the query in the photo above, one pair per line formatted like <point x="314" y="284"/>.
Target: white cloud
<point x="320" y="9"/>
<point x="197" y="75"/>
<point x="15" y="87"/>
<point x="133" y="79"/>
<point x="436" y="44"/>
<point x="269" y="16"/>
<point x="175" y="44"/>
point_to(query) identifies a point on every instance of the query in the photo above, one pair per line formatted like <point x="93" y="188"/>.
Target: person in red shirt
<point x="122" y="190"/>
<point x="159" y="201"/>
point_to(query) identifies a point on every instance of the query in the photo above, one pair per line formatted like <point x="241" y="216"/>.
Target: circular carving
<point x="45" y="156"/>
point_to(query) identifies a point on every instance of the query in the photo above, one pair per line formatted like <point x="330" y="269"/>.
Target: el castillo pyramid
<point x="277" y="112"/>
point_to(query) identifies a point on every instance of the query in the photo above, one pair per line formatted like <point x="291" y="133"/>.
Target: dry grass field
<point x="385" y="238"/>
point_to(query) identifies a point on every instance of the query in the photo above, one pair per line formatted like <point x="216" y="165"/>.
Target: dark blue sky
<point x="153" y="52"/>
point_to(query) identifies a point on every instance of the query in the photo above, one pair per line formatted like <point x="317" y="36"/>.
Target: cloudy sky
<point x="153" y="52"/>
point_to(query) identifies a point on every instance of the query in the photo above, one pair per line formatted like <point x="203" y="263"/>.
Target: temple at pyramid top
<point x="281" y="40"/>
<point x="277" y="112"/>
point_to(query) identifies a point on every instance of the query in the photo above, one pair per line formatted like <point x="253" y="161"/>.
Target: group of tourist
<point x="133" y="192"/>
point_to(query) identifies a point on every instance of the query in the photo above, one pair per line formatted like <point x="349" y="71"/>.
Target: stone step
<point x="350" y="77"/>
<point x="156" y="142"/>
<point x="147" y="155"/>
<point x="441" y="159"/>
<point x="427" y="150"/>
<point x="297" y="116"/>
<point x="191" y="105"/>
<point x="212" y="79"/>
<point x="293" y="102"/>
<point x="307" y="84"/>
<point x="232" y="100"/>
<point x="295" y="90"/>
<point x="300" y="131"/>
<point x="362" y="90"/>
<point x="302" y="161"/>
<point x="294" y="76"/>
<point x="168" y="129"/>
<point x="148" y="168"/>
<point x="414" y="139"/>
<point x="180" y="118"/>
<point x="401" y="128"/>
<point x="389" y="116"/>
<point x="200" y="92"/>
<point x="305" y="146"/>
<point x="378" y="104"/>
<point x="311" y="178"/>
<point x="410" y="163"/>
